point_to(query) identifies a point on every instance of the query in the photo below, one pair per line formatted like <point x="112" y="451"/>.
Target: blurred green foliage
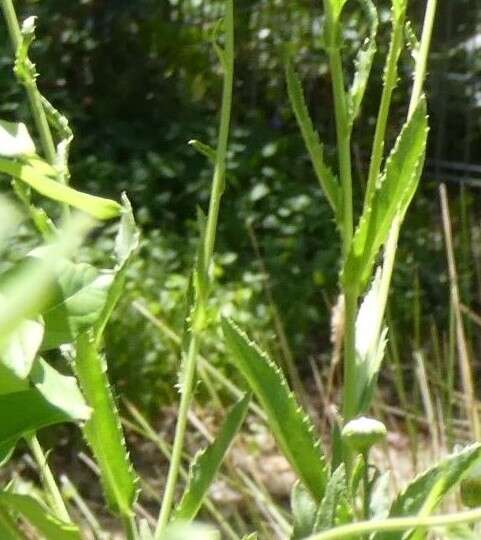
<point x="138" y="79"/>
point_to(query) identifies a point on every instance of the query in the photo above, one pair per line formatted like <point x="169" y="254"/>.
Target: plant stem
<point x="349" y="401"/>
<point x="355" y="530"/>
<point x="390" y="81"/>
<point x="422" y="57"/>
<point x="188" y="374"/>
<point x="53" y="492"/>
<point x="33" y="94"/>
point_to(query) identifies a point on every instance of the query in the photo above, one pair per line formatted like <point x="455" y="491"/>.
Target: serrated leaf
<point x="363" y="62"/>
<point x="15" y="140"/>
<point x="335" y="497"/>
<point x="103" y="430"/>
<point x="303" y="508"/>
<point x="288" y="422"/>
<point x="207" y="463"/>
<point x="390" y="200"/>
<point x="127" y="244"/>
<point x="78" y="298"/>
<point x="39" y="517"/>
<point x="21" y="348"/>
<point x="424" y="494"/>
<point x="41" y="177"/>
<point x="324" y="175"/>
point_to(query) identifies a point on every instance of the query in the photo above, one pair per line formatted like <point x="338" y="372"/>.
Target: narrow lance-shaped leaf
<point x="39" y="517"/>
<point x="311" y="139"/>
<point x="207" y="463"/>
<point x="42" y="178"/>
<point x="288" y="422"/>
<point x="304" y="508"/>
<point x="126" y="246"/>
<point x="363" y="62"/>
<point x="334" y="503"/>
<point x="390" y="200"/>
<point x="103" y="430"/>
<point x="424" y="494"/>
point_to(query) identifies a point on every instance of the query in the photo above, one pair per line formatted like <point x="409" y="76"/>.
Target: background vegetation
<point x="137" y="80"/>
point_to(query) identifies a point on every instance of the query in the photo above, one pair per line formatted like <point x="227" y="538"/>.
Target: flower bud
<point x="362" y="433"/>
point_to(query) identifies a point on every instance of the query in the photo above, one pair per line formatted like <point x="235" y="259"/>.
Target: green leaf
<point x="103" y="430"/>
<point x="15" y="140"/>
<point x="41" y="177"/>
<point x="304" y="509"/>
<point x="194" y="531"/>
<point x="380" y="501"/>
<point x="126" y="246"/>
<point x="371" y="339"/>
<point x="334" y="504"/>
<point x="326" y="179"/>
<point x="39" y="517"/>
<point x="204" y="149"/>
<point x="59" y="390"/>
<point x="390" y="200"/>
<point x="207" y="463"/>
<point x="8" y="527"/>
<point x="21" y="348"/>
<point x="32" y="412"/>
<point x="288" y="422"/>
<point x="424" y="494"/>
<point x="78" y="298"/>
<point x="363" y="62"/>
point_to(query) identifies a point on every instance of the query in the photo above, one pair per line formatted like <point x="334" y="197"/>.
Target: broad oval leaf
<point x="304" y="509"/>
<point x="391" y="198"/>
<point x="32" y="412"/>
<point x="39" y="517"/>
<point x="424" y="494"/>
<point x="207" y="463"/>
<point x="288" y="422"/>
<point x="15" y="140"/>
<point x="77" y="299"/>
<point x="21" y="348"/>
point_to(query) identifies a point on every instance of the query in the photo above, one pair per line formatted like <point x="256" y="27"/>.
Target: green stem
<point x="390" y="81"/>
<point x="422" y="57"/>
<point x="366" y="491"/>
<point x="355" y="530"/>
<point x="33" y="94"/>
<point x="349" y="401"/>
<point x="189" y="368"/>
<point x="53" y="492"/>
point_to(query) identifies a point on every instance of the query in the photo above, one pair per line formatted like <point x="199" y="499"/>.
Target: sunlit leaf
<point x="390" y="200"/>
<point x="41" y="177"/>
<point x="288" y="422"/>
<point x="15" y="140"/>
<point x="424" y="494"/>
<point x="103" y="430"/>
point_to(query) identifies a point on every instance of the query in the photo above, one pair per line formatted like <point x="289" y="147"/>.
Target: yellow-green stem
<point x="48" y="480"/>
<point x="33" y="94"/>
<point x="189" y="366"/>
